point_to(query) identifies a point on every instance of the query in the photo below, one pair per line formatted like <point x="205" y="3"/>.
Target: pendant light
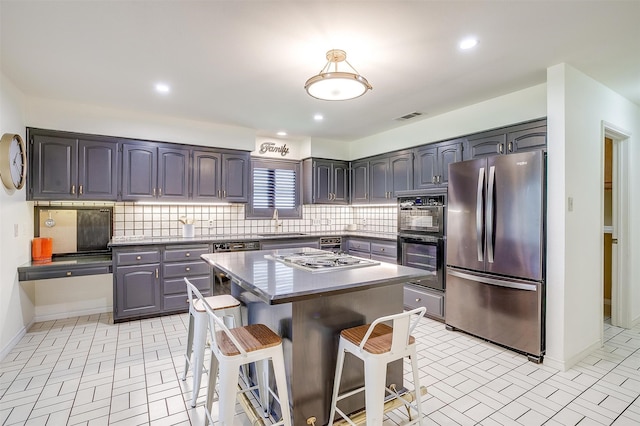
<point x="332" y="84"/>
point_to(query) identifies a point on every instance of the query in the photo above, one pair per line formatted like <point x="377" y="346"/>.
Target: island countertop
<point x="275" y="282"/>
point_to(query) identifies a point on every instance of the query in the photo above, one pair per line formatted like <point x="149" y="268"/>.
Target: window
<point x="275" y="184"/>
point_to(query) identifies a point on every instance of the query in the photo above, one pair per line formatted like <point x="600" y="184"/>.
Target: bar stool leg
<point x="336" y="381"/>
<point x="416" y="385"/>
<point x="228" y="382"/>
<point x="262" y="373"/>
<point x="200" y="339"/>
<point x="375" y="377"/>
<point x="213" y="375"/>
<point x="281" y="384"/>
<point x="187" y="356"/>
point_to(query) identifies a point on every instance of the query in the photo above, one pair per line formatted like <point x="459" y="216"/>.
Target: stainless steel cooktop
<point x="321" y="261"/>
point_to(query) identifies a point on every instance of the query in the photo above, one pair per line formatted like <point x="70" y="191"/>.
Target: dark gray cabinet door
<point x="400" y="174"/>
<point x="379" y="180"/>
<point x="54" y="168"/>
<point x="360" y="182"/>
<point x="531" y="136"/>
<point x="235" y="177"/>
<point x="448" y="153"/>
<point x="97" y="170"/>
<point x="322" y="182"/>
<point x="530" y="139"/>
<point x="426" y="167"/>
<point x="340" y="182"/>
<point x="173" y="173"/>
<point x="481" y="146"/>
<point x="207" y="175"/>
<point x="139" y="171"/>
<point x="137" y="290"/>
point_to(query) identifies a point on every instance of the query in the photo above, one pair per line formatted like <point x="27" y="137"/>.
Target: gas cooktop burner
<point x="321" y="261"/>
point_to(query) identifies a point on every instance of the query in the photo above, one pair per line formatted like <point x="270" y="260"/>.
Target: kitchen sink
<point x="284" y="234"/>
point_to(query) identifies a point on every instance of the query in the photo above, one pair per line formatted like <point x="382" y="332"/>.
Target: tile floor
<point x="89" y="371"/>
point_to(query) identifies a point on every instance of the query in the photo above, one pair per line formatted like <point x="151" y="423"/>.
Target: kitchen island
<point x="309" y="308"/>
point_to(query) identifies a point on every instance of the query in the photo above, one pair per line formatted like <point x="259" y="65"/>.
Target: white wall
<point x="577" y="107"/>
<point x="515" y="107"/>
<point x="57" y="115"/>
<point x="16" y="300"/>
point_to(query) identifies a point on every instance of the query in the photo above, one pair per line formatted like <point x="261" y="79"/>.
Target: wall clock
<point x="13" y="161"/>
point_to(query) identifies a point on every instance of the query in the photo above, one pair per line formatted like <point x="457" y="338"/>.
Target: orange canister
<point x="41" y="249"/>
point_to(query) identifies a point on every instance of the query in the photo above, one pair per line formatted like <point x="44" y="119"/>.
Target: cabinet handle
<point x="418" y="299"/>
<point x="187" y="269"/>
<point x="80" y="191"/>
<point x="510" y="146"/>
<point x="438" y="179"/>
<point x="138" y="257"/>
<point x="159" y="192"/>
<point x="69" y="273"/>
<point x="433" y="179"/>
<point x="73" y="189"/>
<point x="187" y="254"/>
<point x="224" y="194"/>
<point x="382" y="249"/>
<point x="218" y="193"/>
<point x="156" y="272"/>
<point x="154" y="192"/>
<point x="500" y="148"/>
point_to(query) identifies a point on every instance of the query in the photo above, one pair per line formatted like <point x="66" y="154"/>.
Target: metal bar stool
<point x="378" y="344"/>
<point x="233" y="348"/>
<point x="225" y="306"/>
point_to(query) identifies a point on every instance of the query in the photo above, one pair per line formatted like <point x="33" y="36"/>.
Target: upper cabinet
<point x="65" y="167"/>
<point x="220" y="176"/>
<point x="325" y="181"/>
<point x="380" y="178"/>
<point x="431" y="163"/>
<point x="154" y="171"/>
<point x="522" y="137"/>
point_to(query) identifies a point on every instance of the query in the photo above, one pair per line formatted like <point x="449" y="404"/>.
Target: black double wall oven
<point x="421" y="236"/>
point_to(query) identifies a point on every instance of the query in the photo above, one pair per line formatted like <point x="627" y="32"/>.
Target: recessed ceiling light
<point x="281" y="133"/>
<point x="468" y="43"/>
<point x="318" y="117"/>
<point x="162" y="88"/>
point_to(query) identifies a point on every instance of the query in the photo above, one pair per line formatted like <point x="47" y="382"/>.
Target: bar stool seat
<point x="225" y="306"/>
<point x="377" y="344"/>
<point x="233" y="348"/>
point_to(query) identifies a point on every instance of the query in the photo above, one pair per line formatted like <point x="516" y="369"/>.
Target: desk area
<point x="308" y="310"/>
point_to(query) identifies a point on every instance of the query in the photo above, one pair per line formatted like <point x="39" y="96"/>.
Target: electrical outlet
<point x="16" y="230"/>
<point x="363" y="221"/>
<point x="211" y="223"/>
<point x="315" y="222"/>
<point x="327" y="221"/>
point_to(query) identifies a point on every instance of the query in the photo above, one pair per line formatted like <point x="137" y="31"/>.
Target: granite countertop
<point x="256" y="272"/>
<point x="135" y="240"/>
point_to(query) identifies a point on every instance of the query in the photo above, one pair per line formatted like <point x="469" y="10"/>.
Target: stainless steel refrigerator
<point x="495" y="250"/>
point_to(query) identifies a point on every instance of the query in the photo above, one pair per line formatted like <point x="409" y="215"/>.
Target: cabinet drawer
<point x="385" y="250"/>
<point x="185" y="253"/>
<point x="186" y="269"/>
<point x="415" y="297"/>
<point x="178" y="286"/>
<point x="137" y="257"/>
<point x="359" y="245"/>
<point x="178" y="302"/>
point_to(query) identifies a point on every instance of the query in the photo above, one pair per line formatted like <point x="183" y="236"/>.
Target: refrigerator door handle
<point x="479" y="214"/>
<point x="493" y="281"/>
<point x="490" y="213"/>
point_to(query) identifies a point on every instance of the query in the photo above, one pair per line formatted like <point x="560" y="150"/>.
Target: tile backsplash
<point x="163" y="220"/>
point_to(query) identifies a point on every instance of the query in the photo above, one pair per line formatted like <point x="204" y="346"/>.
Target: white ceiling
<point x="245" y="63"/>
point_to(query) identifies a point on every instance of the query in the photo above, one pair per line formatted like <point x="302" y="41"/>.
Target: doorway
<point x="615" y="202"/>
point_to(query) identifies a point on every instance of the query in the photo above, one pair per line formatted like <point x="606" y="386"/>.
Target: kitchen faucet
<point x="277" y="224"/>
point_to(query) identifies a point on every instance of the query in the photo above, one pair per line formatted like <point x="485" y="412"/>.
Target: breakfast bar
<point x="308" y="303"/>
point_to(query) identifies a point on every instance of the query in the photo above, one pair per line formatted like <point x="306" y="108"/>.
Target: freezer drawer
<point x="508" y="313"/>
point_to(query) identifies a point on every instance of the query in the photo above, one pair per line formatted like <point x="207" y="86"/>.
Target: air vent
<point x="409" y="116"/>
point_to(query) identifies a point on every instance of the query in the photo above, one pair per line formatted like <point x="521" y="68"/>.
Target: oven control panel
<point x="426" y="201"/>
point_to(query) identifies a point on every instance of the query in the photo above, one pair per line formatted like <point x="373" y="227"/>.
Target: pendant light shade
<point x="333" y="84"/>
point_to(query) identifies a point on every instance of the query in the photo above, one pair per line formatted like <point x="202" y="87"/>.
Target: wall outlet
<point x="327" y="221"/>
<point x="315" y="222"/>
<point x="363" y="221"/>
<point x="211" y="223"/>
<point x="16" y="230"/>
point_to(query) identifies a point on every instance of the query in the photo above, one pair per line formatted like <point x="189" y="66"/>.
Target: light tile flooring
<point x="89" y="371"/>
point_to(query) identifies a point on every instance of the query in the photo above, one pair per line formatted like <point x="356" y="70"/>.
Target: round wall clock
<point x="13" y="161"/>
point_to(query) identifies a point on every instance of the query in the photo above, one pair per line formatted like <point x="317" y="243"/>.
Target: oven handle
<point x="479" y="211"/>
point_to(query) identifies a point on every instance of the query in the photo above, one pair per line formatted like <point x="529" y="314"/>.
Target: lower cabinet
<point x="289" y="243"/>
<point x="149" y="280"/>
<point x="380" y="250"/>
<point x="417" y="296"/>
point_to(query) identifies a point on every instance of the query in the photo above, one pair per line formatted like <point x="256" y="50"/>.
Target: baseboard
<point x="564" y="365"/>
<point x="71" y="314"/>
<point x="13" y="342"/>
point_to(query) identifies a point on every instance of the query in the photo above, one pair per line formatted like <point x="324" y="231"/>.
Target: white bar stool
<point x="378" y="344"/>
<point x="233" y="348"/>
<point x="225" y="306"/>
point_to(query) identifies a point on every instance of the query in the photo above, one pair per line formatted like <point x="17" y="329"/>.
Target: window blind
<point x="274" y="188"/>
